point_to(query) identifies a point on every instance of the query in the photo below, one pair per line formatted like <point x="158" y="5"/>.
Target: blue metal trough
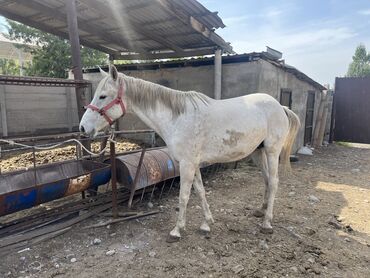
<point x="25" y="189"/>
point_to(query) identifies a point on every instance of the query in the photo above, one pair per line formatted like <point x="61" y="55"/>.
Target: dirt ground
<point x="321" y="228"/>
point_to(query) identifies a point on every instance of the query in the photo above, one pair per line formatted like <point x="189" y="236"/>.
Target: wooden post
<point x="315" y="141"/>
<point x="4" y="122"/>
<point x="320" y="138"/>
<point x="218" y="74"/>
<point x="76" y="59"/>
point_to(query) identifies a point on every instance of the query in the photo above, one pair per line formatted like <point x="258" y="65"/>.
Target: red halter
<point x="117" y="100"/>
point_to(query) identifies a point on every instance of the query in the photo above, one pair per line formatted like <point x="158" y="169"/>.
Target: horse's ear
<point x="113" y="72"/>
<point x="103" y="72"/>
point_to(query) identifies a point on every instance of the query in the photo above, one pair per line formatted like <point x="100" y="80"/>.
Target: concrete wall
<point x="37" y="110"/>
<point x="237" y="79"/>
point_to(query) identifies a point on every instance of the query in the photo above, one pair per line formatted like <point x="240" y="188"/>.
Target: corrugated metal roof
<point x="150" y="28"/>
<point x="206" y="61"/>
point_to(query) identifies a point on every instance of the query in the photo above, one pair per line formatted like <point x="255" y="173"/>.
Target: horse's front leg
<point x="187" y="171"/>
<point x="199" y="188"/>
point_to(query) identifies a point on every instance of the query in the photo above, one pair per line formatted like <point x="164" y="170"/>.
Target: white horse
<point x="199" y="129"/>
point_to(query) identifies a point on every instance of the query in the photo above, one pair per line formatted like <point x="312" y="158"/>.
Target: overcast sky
<point x="316" y="36"/>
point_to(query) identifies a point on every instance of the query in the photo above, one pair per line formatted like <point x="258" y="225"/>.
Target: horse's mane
<point x="148" y="95"/>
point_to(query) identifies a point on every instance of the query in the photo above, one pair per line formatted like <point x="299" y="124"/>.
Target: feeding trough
<point x="28" y="188"/>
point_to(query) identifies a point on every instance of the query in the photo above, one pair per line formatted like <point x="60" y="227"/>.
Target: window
<point x="286" y="98"/>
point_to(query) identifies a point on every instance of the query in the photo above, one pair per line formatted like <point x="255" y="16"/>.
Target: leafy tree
<point x="9" y="67"/>
<point x="360" y="66"/>
<point x="51" y="54"/>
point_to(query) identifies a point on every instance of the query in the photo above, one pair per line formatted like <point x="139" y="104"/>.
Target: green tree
<point x="51" y="54"/>
<point x="360" y="66"/>
<point x="9" y="67"/>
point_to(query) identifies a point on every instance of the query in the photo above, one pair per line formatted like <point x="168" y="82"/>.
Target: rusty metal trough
<point x="25" y="189"/>
<point x="157" y="166"/>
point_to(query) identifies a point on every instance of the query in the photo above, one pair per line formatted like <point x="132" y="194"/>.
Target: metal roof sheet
<point x="128" y="29"/>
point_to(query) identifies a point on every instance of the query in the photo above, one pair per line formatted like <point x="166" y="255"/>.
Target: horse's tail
<point x="294" y="125"/>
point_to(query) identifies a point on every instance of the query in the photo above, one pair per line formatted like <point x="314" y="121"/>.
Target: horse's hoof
<point x="266" y="231"/>
<point x="172" y="239"/>
<point x="206" y="234"/>
<point x="258" y="213"/>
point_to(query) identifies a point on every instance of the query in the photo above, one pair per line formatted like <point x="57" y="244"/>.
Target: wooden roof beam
<point x="86" y="27"/>
<point x="196" y="25"/>
<point x="50" y="30"/>
<point x="164" y="55"/>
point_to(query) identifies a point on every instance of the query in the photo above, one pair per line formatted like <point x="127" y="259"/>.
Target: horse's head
<point x="107" y="105"/>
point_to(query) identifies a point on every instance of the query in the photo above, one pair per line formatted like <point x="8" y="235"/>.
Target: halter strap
<point x="117" y="100"/>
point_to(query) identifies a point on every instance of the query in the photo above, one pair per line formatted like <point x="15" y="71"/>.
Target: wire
<point x="13" y="143"/>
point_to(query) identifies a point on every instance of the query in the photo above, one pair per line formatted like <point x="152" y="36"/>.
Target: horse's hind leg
<point x="273" y="181"/>
<point x="259" y="158"/>
<point x="199" y="189"/>
<point x="187" y="172"/>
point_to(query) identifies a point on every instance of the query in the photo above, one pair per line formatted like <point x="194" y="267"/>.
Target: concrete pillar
<point x="218" y="74"/>
<point x="4" y="122"/>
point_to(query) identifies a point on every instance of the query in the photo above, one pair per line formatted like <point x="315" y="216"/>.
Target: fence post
<point x="4" y="122"/>
<point x="69" y="114"/>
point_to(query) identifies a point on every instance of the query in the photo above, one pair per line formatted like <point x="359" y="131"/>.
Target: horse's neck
<point x="161" y="121"/>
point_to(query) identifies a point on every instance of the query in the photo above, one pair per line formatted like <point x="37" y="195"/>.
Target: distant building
<point x="10" y="51"/>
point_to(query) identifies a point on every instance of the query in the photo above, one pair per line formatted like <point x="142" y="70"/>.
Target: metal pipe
<point x="114" y="179"/>
<point x="136" y="178"/>
<point x="218" y="74"/>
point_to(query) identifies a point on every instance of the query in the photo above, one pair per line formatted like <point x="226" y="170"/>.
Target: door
<point x="310" y="107"/>
<point x="351" y="110"/>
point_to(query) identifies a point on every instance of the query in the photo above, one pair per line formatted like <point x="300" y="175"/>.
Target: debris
<point x="291" y="193"/>
<point x="73" y="260"/>
<point x="355" y="170"/>
<point x="237" y="269"/>
<point x="22" y="258"/>
<point x="347" y="239"/>
<point x="23" y="250"/>
<point x="313" y="199"/>
<point x="150" y="205"/>
<point x="263" y="245"/>
<point x="121" y="219"/>
<point x="110" y="252"/>
<point x="305" y="151"/>
<point x="310" y="231"/>
<point x="152" y="254"/>
<point x="97" y="241"/>
<point x="333" y="222"/>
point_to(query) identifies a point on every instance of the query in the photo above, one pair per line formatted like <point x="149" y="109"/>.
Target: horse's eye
<point x="102" y="97"/>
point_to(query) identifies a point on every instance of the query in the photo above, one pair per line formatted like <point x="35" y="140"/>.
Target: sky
<point x="318" y="37"/>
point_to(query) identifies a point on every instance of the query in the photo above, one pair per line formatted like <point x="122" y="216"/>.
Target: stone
<point x="291" y="193"/>
<point x="237" y="269"/>
<point x="73" y="260"/>
<point x="97" y="241"/>
<point x="311" y="260"/>
<point x="263" y="245"/>
<point x="294" y="269"/>
<point x="313" y="199"/>
<point x="355" y="170"/>
<point x="152" y="254"/>
<point x="150" y="205"/>
<point x="110" y="252"/>
<point x="347" y="239"/>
